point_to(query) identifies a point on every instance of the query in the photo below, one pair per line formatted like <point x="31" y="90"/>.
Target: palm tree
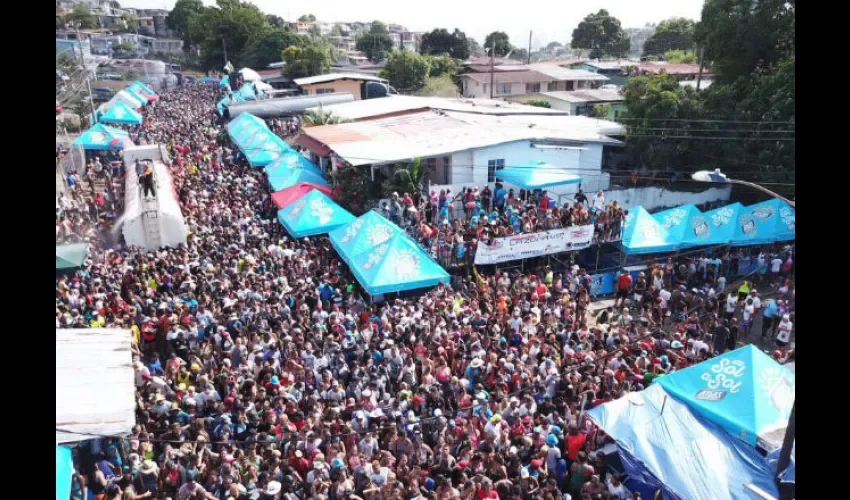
<point x="318" y="117"/>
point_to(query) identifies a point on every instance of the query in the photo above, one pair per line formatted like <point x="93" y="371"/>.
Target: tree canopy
<point x="230" y="24"/>
<point x="267" y="45"/>
<point x="307" y="18"/>
<point x="178" y="18"/>
<point x="440" y="41"/>
<point x="602" y="35"/>
<point x="406" y="70"/>
<point x="376" y="43"/>
<point x="671" y="34"/>
<point x="313" y="58"/>
<point x="499" y="41"/>
<point x="81" y="15"/>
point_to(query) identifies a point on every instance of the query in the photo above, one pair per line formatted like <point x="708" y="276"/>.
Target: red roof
<point x="285" y="197"/>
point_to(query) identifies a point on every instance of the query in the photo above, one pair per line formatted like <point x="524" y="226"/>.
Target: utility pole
<point x="528" y="58"/>
<point x="86" y="72"/>
<point x="701" y="66"/>
<point x="492" y="64"/>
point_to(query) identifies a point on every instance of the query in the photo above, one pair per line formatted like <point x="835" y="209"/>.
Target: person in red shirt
<point x="575" y="442"/>
<point x="486" y="491"/>
<point x="624" y="284"/>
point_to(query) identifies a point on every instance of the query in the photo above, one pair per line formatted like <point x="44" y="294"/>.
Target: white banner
<point x="525" y="246"/>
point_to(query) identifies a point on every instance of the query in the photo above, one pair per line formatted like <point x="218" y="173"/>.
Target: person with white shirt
<point x="783" y="331"/>
<point x="599" y="201"/>
<point x="731" y="305"/>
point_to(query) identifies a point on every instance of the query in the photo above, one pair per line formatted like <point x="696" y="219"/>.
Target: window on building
<point x="503" y="88"/>
<point x="492" y="167"/>
<point x="552" y="87"/>
<point x="532" y="87"/>
<point x="324" y="91"/>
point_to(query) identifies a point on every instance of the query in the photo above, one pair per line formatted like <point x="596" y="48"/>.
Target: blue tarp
<point x="744" y="391"/>
<point x="259" y="144"/>
<point x="227" y="101"/>
<point x="122" y="113"/>
<point x="765" y="222"/>
<point x="536" y="175"/>
<point x="715" y="227"/>
<point x="247" y="92"/>
<point x="225" y="81"/>
<point x="678" y="451"/>
<point x="101" y="137"/>
<point x="383" y="258"/>
<point x="643" y="234"/>
<point x="144" y="88"/>
<point x="283" y="178"/>
<point x="675" y="221"/>
<point x="313" y="213"/>
<point x="292" y="160"/>
<point x="64" y="472"/>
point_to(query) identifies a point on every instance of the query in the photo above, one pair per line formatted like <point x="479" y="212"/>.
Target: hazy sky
<point x="550" y="20"/>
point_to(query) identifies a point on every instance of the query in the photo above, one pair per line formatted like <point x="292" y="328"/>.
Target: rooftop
<point x="609" y="64"/>
<point x="434" y="133"/>
<point x="671" y="69"/>
<point x="330" y="77"/>
<point x="538" y="73"/>
<point x="559" y="73"/>
<point x="587" y="95"/>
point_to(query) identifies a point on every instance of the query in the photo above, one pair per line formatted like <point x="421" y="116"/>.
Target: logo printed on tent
<point x="321" y="210"/>
<point x="98" y="137"/>
<point x="778" y="387"/>
<point x="406" y="264"/>
<point x="376" y="256"/>
<point x="700" y="227"/>
<point x="352" y="230"/>
<point x="723" y="379"/>
<point x="763" y="213"/>
<point x="722" y="217"/>
<point x="378" y="234"/>
<point x="748" y="225"/>
<point x="788" y="217"/>
<point x="674" y="218"/>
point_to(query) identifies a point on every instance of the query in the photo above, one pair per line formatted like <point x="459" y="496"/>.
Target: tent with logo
<point x="137" y="95"/>
<point x="715" y="227"/>
<point x="766" y="222"/>
<point x="314" y="213"/>
<point x="122" y="96"/>
<point x="121" y="113"/>
<point x="642" y="233"/>
<point x="537" y="175"/>
<point x="744" y="391"/>
<point x="64" y="472"/>
<point x="283" y="198"/>
<point x="143" y="90"/>
<point x="664" y="444"/>
<point x="259" y="144"/>
<point x="103" y="137"/>
<point x="71" y="256"/>
<point x="675" y="221"/>
<point x="383" y="258"/>
<point x="292" y="160"/>
<point x="283" y="178"/>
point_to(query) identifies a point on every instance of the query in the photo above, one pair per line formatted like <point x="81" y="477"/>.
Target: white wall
<point x="654" y="198"/>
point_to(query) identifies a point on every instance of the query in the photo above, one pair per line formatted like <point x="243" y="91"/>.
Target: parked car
<point x="111" y="76"/>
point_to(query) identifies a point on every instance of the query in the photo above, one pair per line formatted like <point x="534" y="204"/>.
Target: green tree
<point x="671" y="34"/>
<point x="474" y="46"/>
<point x="519" y="55"/>
<point x="440" y="41"/>
<point x="539" y="103"/>
<point x="601" y="111"/>
<point x="406" y="178"/>
<point x="500" y="41"/>
<point x="602" y="35"/>
<point x="266" y="46"/>
<point x="276" y="21"/>
<point x="553" y="46"/>
<point x="440" y="86"/>
<point x="319" y="117"/>
<point x="178" y="18"/>
<point x="680" y="57"/>
<point x="355" y="189"/>
<point x="406" y="71"/>
<point x="375" y="44"/>
<point x="314" y="58"/>
<point x="229" y="25"/>
<point x="307" y="18"/>
<point x="82" y="16"/>
<point x="442" y="65"/>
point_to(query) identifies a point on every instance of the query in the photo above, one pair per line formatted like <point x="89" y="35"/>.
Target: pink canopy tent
<point x="284" y="197"/>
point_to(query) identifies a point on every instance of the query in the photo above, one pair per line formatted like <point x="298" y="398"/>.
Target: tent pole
<point x="596" y="269"/>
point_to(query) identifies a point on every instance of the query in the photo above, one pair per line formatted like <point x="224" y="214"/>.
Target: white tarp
<point x="95" y="391"/>
<point x="525" y="246"/>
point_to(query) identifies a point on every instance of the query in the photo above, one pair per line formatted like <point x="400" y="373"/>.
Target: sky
<point x="549" y="20"/>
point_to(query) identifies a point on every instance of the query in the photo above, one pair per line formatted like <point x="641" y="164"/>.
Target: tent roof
<point x="102" y="136"/>
<point x="94" y="398"/>
<point x="314" y="213"/>
<point x="675" y="221"/>
<point x="259" y="144"/>
<point x="143" y="87"/>
<point x="283" y="178"/>
<point x="537" y="175"/>
<point x="64" y="471"/>
<point x="745" y="391"/>
<point x="122" y="113"/>
<point x="137" y="95"/>
<point x="662" y="440"/>
<point x="765" y="222"/>
<point x="292" y="160"/>
<point x="283" y="198"/>
<point x="715" y="227"/>
<point x="71" y="256"/>
<point x="643" y="234"/>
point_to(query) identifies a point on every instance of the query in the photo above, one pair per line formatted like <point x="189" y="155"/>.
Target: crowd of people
<point x="263" y="372"/>
<point x="452" y="225"/>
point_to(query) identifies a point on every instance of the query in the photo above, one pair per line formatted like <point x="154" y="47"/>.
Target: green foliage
<point x="374" y="45"/>
<point x="680" y="57"/>
<point x="313" y="58"/>
<point x="232" y="24"/>
<point x="406" y="178"/>
<point x="440" y="41"/>
<point x="355" y="189"/>
<point x="130" y="75"/>
<point x="319" y="117"/>
<point x="131" y="22"/>
<point x="540" y="103"/>
<point x="82" y="16"/>
<point x="474" y="46"/>
<point x="266" y="46"/>
<point x="60" y="22"/>
<point x="276" y="21"/>
<point x="553" y="46"/>
<point x="441" y="86"/>
<point x="602" y="34"/>
<point x="178" y="18"/>
<point x="520" y="55"/>
<point x="123" y="46"/>
<point x="671" y="34"/>
<point x="500" y="42"/>
<point x="442" y="65"/>
<point x="307" y="18"/>
<point x="406" y="71"/>
<point x="601" y="111"/>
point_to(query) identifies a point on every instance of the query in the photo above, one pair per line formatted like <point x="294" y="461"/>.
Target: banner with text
<point x="526" y="246"/>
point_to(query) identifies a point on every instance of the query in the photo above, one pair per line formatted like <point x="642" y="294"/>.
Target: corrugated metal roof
<point x="368" y="108"/>
<point x="559" y="73"/>
<point x="95" y="390"/>
<point x="435" y="133"/>
<point x="609" y="64"/>
<point x="588" y="95"/>
<point x="337" y="76"/>
<point x="509" y="77"/>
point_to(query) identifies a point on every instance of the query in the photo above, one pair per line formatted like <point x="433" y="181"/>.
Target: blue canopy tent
<point x="665" y="445"/>
<point x="313" y="213"/>
<point x="122" y="113"/>
<point x="744" y="391"/>
<point x="283" y="178"/>
<point x="765" y="222"/>
<point x="137" y="95"/>
<point x="225" y="81"/>
<point x="643" y="234"/>
<point x="292" y="160"/>
<point x="103" y="137"/>
<point x="675" y="221"/>
<point x="64" y="472"/>
<point x="715" y="227"/>
<point x="397" y="265"/>
<point x="537" y="175"/>
<point x="259" y="144"/>
<point x="364" y="234"/>
<point x="144" y="88"/>
<point x="249" y="93"/>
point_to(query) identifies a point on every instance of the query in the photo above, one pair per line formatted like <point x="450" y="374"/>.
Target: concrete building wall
<point x="350" y="86"/>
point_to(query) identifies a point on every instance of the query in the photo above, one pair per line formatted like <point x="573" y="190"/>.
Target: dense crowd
<point x="451" y="226"/>
<point x="261" y="370"/>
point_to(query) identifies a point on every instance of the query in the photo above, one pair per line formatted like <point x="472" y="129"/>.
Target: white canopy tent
<point x="122" y="96"/>
<point x="95" y="390"/>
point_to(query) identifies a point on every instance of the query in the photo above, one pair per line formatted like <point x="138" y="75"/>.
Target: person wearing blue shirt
<point x="771" y="312"/>
<point x="326" y="292"/>
<point x="155" y="366"/>
<point x="500" y="197"/>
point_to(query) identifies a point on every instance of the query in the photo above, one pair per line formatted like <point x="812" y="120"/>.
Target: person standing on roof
<point x="147" y="182"/>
